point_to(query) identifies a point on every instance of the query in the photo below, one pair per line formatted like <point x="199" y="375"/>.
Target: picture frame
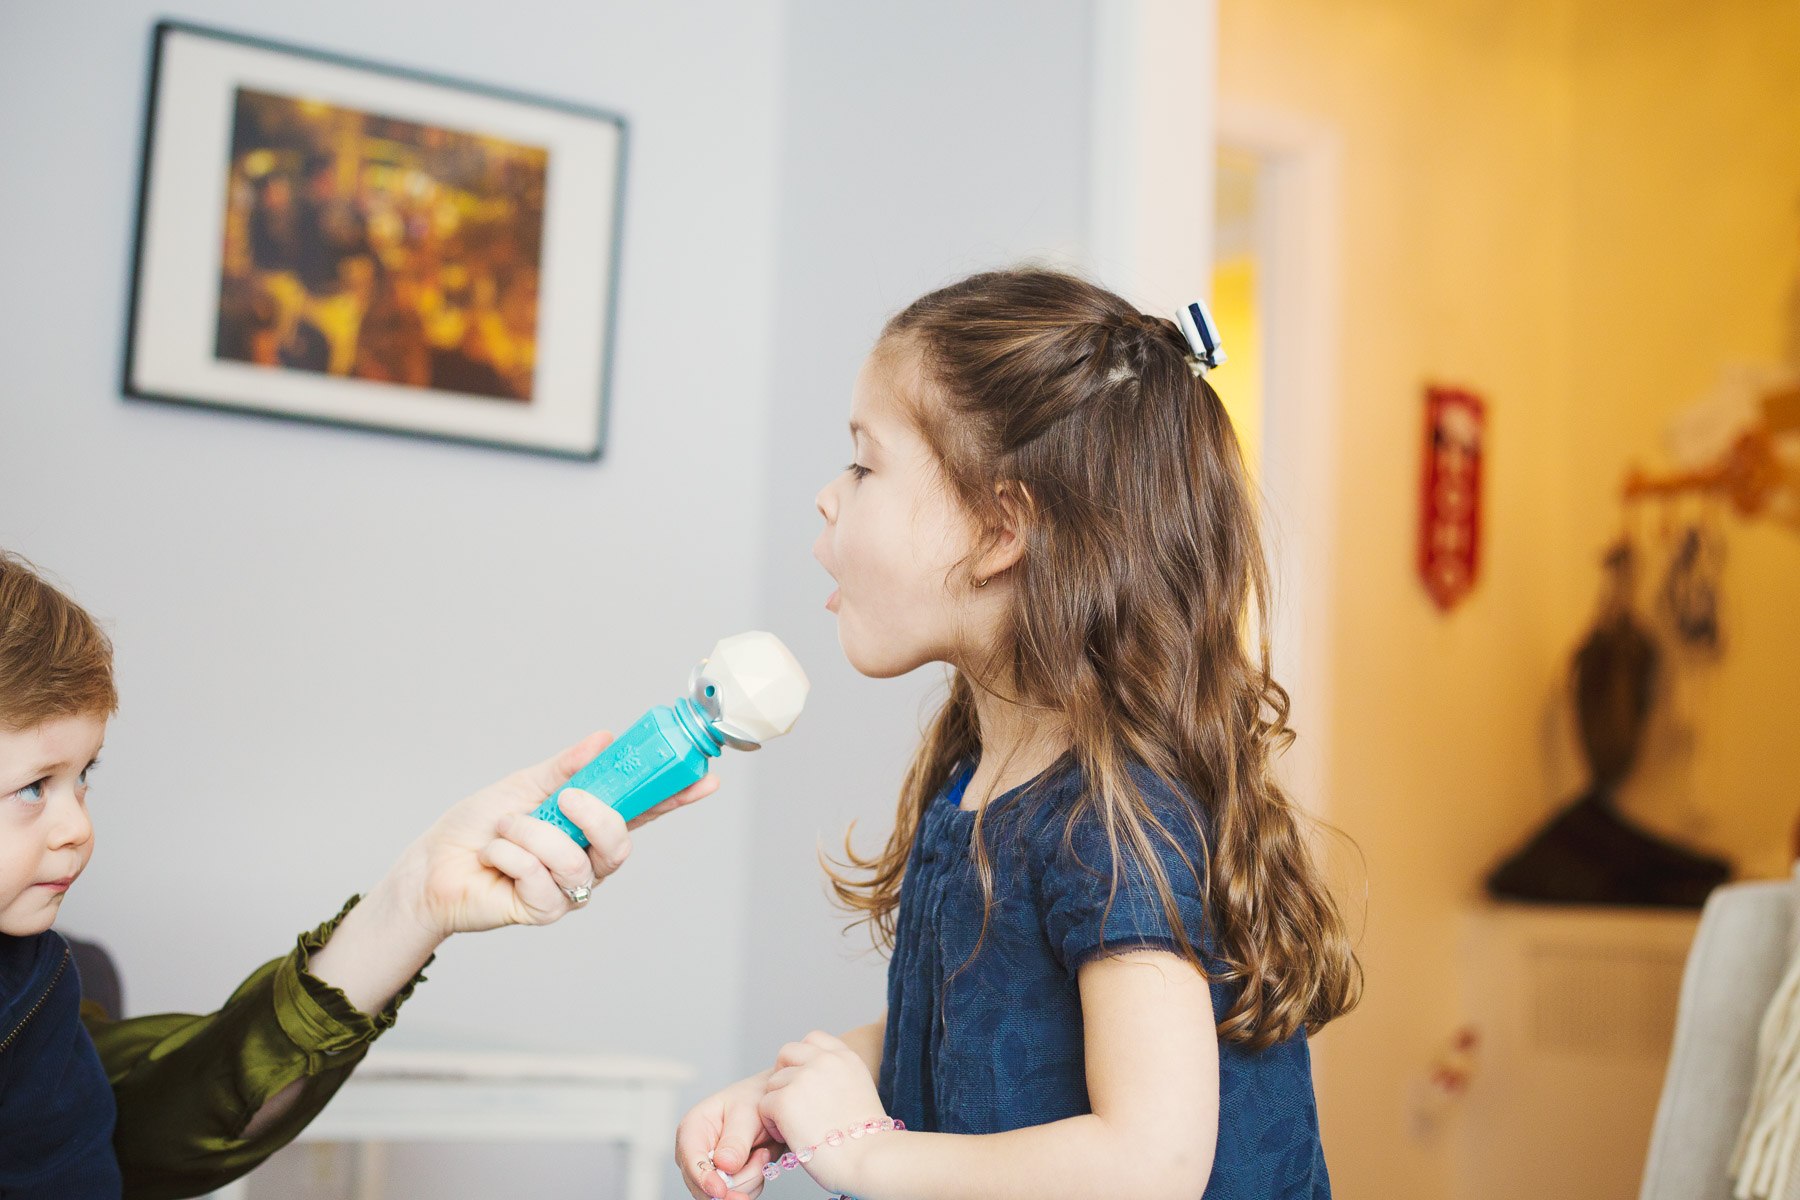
<point x="326" y="239"/>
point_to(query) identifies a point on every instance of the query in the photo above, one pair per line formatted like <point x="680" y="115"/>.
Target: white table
<point x="403" y="1095"/>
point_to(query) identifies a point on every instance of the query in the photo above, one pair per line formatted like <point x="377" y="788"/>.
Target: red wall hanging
<point x="1450" y="494"/>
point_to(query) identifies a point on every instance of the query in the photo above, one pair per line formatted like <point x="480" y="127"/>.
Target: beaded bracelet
<point x="793" y="1159"/>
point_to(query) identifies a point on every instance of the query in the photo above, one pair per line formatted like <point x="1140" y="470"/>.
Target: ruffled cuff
<point x="319" y="1018"/>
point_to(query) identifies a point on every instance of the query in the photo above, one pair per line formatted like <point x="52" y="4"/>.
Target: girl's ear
<point x="1006" y="544"/>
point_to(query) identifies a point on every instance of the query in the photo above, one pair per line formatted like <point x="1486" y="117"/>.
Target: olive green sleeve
<point x="188" y="1085"/>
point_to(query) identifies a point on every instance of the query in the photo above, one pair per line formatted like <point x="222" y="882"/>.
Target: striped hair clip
<point x="1202" y="337"/>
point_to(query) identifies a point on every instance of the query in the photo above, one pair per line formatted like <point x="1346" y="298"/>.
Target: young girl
<point x="1108" y="939"/>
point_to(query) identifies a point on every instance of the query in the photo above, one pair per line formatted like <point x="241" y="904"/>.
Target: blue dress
<point x="983" y="1041"/>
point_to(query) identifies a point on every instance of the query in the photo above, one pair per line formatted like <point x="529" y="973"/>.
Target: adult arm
<point x="187" y="1085"/>
<point x="204" y="1099"/>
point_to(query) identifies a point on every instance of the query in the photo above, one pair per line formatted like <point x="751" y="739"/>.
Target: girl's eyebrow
<point x="858" y="429"/>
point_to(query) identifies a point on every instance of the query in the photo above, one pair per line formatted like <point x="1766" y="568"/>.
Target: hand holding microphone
<point x="748" y="690"/>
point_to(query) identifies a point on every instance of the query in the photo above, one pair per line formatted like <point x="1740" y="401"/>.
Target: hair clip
<point x="1202" y="337"/>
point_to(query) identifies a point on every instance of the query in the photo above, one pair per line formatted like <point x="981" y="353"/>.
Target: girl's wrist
<point x="856" y="1175"/>
<point x="840" y="1160"/>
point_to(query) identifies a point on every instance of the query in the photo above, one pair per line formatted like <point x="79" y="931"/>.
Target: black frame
<point x="607" y="336"/>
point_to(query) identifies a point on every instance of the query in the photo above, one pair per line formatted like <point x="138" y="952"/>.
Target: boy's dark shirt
<point x="183" y="1087"/>
<point x="56" y="1108"/>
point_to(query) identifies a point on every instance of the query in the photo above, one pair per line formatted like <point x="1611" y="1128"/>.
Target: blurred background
<point x="1584" y="214"/>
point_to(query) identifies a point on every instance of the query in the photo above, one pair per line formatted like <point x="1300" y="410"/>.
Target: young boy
<point x="176" y="1105"/>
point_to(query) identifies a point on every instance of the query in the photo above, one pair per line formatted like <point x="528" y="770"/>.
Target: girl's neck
<point x="1018" y="743"/>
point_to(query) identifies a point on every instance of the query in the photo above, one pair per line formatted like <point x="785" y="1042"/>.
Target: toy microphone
<point x="748" y="690"/>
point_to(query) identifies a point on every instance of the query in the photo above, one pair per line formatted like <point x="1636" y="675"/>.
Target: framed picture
<point x="331" y="240"/>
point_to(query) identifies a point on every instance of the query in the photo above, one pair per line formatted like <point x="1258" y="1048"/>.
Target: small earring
<point x="981" y="583"/>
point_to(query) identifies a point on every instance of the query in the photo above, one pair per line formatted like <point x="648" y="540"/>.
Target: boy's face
<point x="45" y="835"/>
<point x="894" y="534"/>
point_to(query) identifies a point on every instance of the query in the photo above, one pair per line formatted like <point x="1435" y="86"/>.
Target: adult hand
<point x="488" y="863"/>
<point x="484" y="864"/>
<point x="727" y="1130"/>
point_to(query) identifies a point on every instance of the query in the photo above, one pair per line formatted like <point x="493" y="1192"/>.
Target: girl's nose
<point x="826" y="503"/>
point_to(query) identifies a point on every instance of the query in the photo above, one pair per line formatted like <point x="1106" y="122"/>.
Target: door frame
<point x="1157" y="125"/>
<point x="1298" y="288"/>
<point x="1150" y="193"/>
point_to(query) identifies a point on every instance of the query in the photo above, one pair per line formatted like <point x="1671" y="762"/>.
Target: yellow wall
<point x="1686" y="206"/>
<point x="1239" y="383"/>
<point x="1579" y="210"/>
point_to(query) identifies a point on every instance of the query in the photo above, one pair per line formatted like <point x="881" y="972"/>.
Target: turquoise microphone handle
<point x="667" y="750"/>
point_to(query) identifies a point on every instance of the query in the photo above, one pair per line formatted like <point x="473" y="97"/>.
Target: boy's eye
<point x="32" y="792"/>
<point x="857" y="470"/>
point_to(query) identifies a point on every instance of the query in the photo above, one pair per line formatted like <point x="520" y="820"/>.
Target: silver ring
<point x="578" y="896"/>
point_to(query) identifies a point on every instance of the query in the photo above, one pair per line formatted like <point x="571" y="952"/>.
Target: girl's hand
<point x="486" y="863"/>
<point x="821" y="1084"/>
<point x="727" y="1127"/>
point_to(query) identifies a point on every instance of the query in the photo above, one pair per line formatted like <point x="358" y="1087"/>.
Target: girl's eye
<point x="857" y="470"/>
<point x="32" y="792"/>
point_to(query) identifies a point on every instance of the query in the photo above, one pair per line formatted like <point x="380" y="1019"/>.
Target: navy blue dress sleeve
<point x="1098" y="899"/>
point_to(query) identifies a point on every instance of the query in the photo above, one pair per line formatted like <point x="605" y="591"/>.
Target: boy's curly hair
<point x="55" y="661"/>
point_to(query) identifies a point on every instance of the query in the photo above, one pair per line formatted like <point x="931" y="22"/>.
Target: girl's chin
<point x="874" y="660"/>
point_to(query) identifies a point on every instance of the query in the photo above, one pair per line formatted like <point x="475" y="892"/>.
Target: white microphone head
<point x="758" y="686"/>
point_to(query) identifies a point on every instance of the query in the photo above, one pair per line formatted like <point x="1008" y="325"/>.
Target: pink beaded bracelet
<point x="793" y="1160"/>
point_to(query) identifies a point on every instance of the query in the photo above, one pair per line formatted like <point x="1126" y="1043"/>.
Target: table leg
<point x="647" y="1150"/>
<point x="371" y="1170"/>
<point x="640" y="1172"/>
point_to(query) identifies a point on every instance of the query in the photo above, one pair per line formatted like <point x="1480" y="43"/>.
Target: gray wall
<point x="327" y="636"/>
<point x="919" y="143"/>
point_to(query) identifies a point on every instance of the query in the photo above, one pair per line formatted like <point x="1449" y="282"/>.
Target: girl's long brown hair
<point x="1138" y="622"/>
